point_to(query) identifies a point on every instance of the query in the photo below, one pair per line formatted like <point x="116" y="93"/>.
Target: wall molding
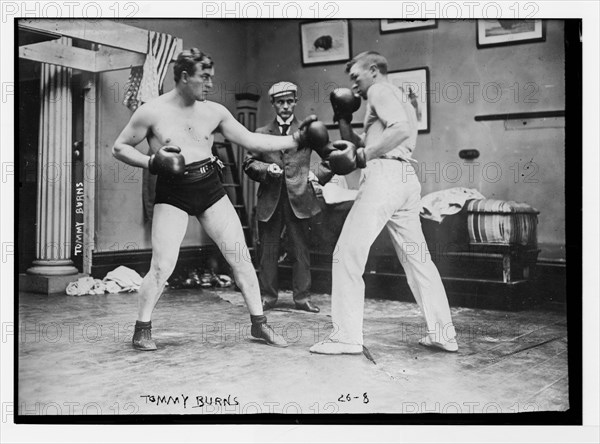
<point x="518" y="116"/>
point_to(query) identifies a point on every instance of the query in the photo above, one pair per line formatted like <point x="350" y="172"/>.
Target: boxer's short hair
<point x="187" y="60"/>
<point x="369" y="58"/>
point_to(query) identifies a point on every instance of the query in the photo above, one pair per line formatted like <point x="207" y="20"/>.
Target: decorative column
<point x="246" y="109"/>
<point x="53" y="236"/>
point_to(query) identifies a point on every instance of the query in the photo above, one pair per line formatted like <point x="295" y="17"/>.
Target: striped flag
<point x="145" y="82"/>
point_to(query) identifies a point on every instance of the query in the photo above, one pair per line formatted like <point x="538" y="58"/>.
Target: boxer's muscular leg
<point x="169" y="225"/>
<point x="222" y="224"/>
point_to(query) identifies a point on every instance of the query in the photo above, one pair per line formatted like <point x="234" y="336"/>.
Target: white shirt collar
<point x="288" y="122"/>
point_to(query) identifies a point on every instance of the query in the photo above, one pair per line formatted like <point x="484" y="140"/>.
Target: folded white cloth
<point x="116" y="281"/>
<point x="336" y="191"/>
<point x="439" y="204"/>
<point x="112" y="287"/>
<point x="126" y="279"/>
<point x="84" y="286"/>
<point x="334" y="194"/>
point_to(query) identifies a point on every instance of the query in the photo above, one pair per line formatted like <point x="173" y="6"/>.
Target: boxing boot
<point x="142" y="336"/>
<point x="261" y="330"/>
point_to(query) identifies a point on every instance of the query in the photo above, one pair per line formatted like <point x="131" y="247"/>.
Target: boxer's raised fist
<point x="168" y="161"/>
<point x="344" y="104"/>
<point x="311" y="133"/>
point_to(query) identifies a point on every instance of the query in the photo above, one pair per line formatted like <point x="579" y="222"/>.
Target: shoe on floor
<point x="331" y="347"/>
<point x="265" y="332"/>
<point x="308" y="306"/>
<point x="142" y="339"/>
<point x="449" y="346"/>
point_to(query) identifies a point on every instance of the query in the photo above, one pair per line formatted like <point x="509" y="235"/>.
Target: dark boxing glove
<point x="312" y="133"/>
<point x="344" y="104"/>
<point x="325" y="151"/>
<point x="300" y="135"/>
<point x="167" y="160"/>
<point x="346" y="158"/>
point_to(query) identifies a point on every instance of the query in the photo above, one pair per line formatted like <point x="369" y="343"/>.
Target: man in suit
<point x="285" y="198"/>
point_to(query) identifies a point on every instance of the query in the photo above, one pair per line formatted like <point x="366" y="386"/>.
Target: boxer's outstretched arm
<point x="254" y="142"/>
<point x="135" y="131"/>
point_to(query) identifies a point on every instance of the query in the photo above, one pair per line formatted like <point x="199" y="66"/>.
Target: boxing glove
<point x="344" y="104"/>
<point x="168" y="161"/>
<point x="325" y="151"/>
<point x="311" y="133"/>
<point x="346" y="158"/>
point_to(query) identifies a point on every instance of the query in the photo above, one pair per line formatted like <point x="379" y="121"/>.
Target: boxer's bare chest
<point x="190" y="130"/>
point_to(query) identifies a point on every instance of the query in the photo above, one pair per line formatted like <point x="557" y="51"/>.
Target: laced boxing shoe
<point x="265" y="332"/>
<point x="142" y="337"/>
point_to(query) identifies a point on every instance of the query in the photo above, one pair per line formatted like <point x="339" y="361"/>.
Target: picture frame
<point x="415" y="82"/>
<point x="398" y="25"/>
<point x="502" y="32"/>
<point x="325" y="41"/>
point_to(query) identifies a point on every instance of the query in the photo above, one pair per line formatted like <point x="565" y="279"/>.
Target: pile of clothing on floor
<point x="121" y="279"/>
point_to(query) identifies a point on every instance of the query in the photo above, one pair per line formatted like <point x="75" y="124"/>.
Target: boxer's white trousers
<point x="389" y="195"/>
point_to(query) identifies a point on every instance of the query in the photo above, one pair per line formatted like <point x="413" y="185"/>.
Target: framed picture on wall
<point x="326" y="41"/>
<point x="395" y="25"/>
<point x="415" y="82"/>
<point x="509" y="32"/>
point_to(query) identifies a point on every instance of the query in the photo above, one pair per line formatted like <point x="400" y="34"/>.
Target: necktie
<point x="284" y="129"/>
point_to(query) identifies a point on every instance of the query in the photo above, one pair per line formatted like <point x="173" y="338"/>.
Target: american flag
<point x="145" y="82"/>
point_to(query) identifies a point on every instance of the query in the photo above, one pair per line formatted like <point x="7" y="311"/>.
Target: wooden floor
<point x="75" y="357"/>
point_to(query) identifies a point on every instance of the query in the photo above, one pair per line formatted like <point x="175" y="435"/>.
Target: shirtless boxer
<point x="180" y="127"/>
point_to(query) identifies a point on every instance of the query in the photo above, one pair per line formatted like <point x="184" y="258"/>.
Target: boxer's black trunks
<point x="194" y="192"/>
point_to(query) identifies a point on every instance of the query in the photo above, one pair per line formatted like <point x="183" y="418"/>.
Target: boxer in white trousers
<point x="388" y="196"/>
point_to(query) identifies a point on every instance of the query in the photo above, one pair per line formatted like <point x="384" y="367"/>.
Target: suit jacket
<point x="295" y="164"/>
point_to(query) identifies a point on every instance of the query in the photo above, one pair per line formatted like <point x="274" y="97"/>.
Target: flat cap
<point x="281" y="88"/>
